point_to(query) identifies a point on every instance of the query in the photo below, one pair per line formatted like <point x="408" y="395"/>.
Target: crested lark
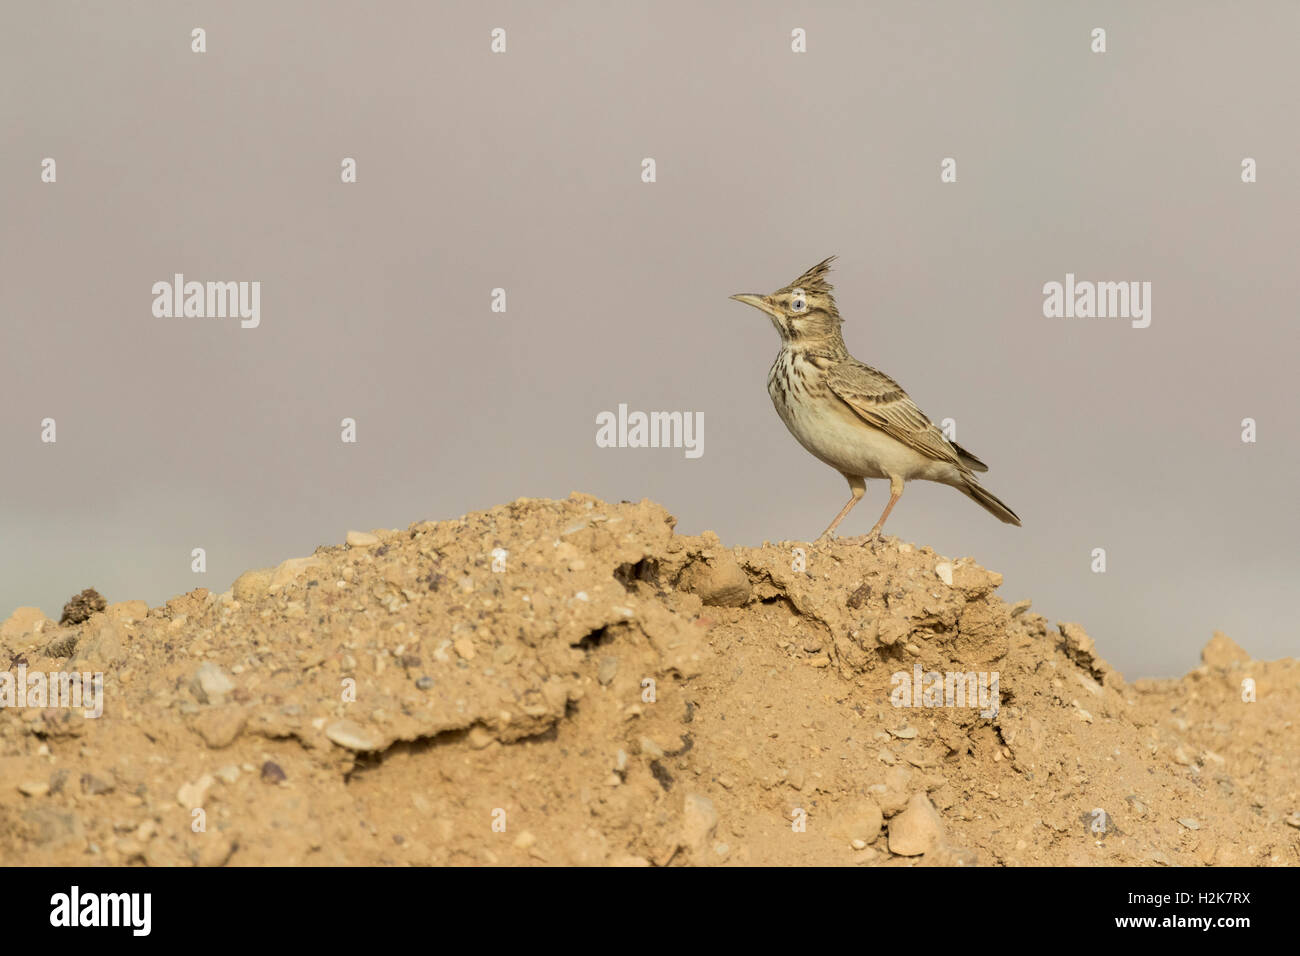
<point x="855" y="419"/>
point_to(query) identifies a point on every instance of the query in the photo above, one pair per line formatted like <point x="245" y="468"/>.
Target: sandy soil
<point x="614" y="693"/>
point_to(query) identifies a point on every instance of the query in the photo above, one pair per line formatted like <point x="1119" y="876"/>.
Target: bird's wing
<point x="881" y="402"/>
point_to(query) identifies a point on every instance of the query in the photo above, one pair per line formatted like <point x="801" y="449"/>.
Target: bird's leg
<point x="858" y="486"/>
<point x="895" y="492"/>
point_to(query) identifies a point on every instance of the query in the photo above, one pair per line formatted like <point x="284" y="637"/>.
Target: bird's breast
<point x="830" y="430"/>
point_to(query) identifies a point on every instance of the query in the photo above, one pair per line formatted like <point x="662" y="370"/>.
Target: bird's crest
<point x="814" y="280"/>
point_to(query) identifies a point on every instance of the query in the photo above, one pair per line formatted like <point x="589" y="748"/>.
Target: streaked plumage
<point x="852" y="417"/>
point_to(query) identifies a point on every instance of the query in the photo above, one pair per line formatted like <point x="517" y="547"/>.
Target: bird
<point x="853" y="417"/>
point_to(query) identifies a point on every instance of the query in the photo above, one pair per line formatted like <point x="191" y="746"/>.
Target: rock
<point x="891" y="628"/>
<point x="216" y="850"/>
<point x="210" y="684"/>
<point x="718" y="581"/>
<point x="975" y="581"/>
<point x="944" y="570"/>
<point x="251" y="585"/>
<point x="361" y="539"/>
<point x="352" y="736"/>
<point x="1190" y="822"/>
<point x="859" y="597"/>
<point x="33" y="788"/>
<point x="464" y="648"/>
<point x="94" y="786"/>
<point x="220" y="726"/>
<point x="62" y="644"/>
<point x="81" y="606"/>
<point x="1223" y="652"/>
<point x="479" y="737"/>
<point x="945" y="855"/>
<point x="890" y="801"/>
<point x="892" y="795"/>
<point x="860" y="822"/>
<point x="192" y="795"/>
<point x="917" y="830"/>
<point x="1079" y="647"/>
<point x="126" y="612"/>
<point x="272" y="773"/>
<point x="608" y="670"/>
<point x="287" y="571"/>
<point x="24" y="620"/>
<point x="103" y="647"/>
<point x="190" y="603"/>
<point x="699" y="820"/>
<point x="50" y="827"/>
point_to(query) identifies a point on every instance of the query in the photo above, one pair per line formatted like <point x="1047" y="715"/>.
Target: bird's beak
<point x="761" y="302"/>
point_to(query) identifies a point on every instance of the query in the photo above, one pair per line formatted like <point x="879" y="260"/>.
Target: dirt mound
<point x="570" y="682"/>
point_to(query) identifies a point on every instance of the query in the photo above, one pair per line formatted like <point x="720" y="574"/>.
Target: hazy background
<point x="522" y="171"/>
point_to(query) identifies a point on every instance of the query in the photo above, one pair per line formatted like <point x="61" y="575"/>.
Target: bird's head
<point x="804" y="311"/>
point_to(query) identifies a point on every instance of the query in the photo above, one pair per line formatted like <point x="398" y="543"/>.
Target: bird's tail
<point x="988" y="500"/>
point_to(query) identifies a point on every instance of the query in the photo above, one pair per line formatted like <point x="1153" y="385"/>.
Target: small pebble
<point x="916" y="830"/>
<point x="361" y="539"/>
<point x="210" y="684"/>
<point x="351" y="735"/>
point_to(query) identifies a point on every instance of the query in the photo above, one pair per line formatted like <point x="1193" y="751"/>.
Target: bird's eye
<point x="797" y="301"/>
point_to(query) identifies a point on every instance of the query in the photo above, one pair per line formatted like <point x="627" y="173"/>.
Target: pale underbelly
<point x="858" y="449"/>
